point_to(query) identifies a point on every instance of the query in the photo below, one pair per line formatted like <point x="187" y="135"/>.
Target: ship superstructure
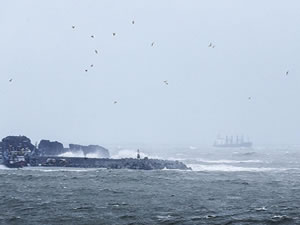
<point x="232" y="142"/>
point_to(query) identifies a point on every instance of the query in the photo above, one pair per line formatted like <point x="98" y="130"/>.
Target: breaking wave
<point x="230" y="168"/>
<point x="2" y="167"/>
<point x="129" y="153"/>
<point x="81" y="155"/>
<point x="225" y="161"/>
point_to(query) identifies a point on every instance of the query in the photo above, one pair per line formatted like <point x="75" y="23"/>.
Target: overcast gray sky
<point x="51" y="95"/>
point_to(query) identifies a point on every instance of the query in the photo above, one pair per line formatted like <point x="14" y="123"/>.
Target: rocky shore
<point x="18" y="151"/>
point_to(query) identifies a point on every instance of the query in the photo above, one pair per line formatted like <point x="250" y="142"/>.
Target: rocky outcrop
<point x="50" y="148"/>
<point x="17" y="143"/>
<point x="94" y="149"/>
<point x="17" y="151"/>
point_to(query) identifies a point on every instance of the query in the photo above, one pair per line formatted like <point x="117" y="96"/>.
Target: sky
<point x="52" y="97"/>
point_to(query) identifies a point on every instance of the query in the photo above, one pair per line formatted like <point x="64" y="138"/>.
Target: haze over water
<point x="208" y="89"/>
<point x="165" y="77"/>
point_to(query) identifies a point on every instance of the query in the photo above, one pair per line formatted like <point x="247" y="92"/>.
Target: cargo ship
<point x="231" y="142"/>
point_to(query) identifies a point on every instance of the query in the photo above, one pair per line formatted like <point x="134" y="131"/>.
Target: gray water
<point x="227" y="187"/>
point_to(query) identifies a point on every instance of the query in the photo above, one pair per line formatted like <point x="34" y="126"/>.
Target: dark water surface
<point x="247" y="189"/>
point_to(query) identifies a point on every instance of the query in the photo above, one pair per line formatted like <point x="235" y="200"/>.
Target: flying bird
<point x="96" y="51"/>
<point x="92" y="36"/>
<point x="86" y="70"/>
<point x="10" y="80"/>
<point x="73" y="27"/>
<point x="92" y="65"/>
<point x="132" y="22"/>
<point x="249" y="98"/>
<point x="152" y="44"/>
<point x="211" y="45"/>
<point x="115" y="102"/>
<point x="114" y="34"/>
<point x="287" y="73"/>
<point x="166" y="82"/>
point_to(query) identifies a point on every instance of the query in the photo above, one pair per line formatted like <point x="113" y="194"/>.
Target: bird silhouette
<point x="92" y="36"/>
<point x="10" y="80"/>
<point x="152" y="44"/>
<point x="115" y="102"/>
<point x="166" y="82"/>
<point x="96" y="51"/>
<point x="287" y="73"/>
<point x="92" y="65"/>
<point x="114" y="34"/>
<point x="249" y="98"/>
<point x="132" y="22"/>
<point x="210" y="44"/>
<point x="86" y="70"/>
<point x="73" y="27"/>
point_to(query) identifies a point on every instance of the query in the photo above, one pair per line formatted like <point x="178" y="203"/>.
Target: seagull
<point x="96" y="51"/>
<point x="152" y="44"/>
<point x="10" y="80"/>
<point x="114" y="34"/>
<point x="73" y="27"/>
<point x="92" y="36"/>
<point x="166" y="82"/>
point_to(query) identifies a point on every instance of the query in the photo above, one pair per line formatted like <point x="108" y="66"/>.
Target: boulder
<point x="17" y="143"/>
<point x="50" y="148"/>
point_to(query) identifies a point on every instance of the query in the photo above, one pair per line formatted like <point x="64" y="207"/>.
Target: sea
<point x="225" y="186"/>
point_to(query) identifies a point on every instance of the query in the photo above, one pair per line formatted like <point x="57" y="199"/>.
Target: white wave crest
<point x="230" y="168"/>
<point x="81" y="155"/>
<point x="57" y="169"/>
<point x="128" y="153"/>
<point x="225" y="161"/>
<point x="2" y="167"/>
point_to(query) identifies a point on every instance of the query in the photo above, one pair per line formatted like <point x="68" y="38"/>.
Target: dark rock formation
<point x="16" y="149"/>
<point x="50" y="148"/>
<point x="95" y="149"/>
<point x="17" y="143"/>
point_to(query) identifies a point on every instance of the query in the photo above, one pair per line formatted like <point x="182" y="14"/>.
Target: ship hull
<point x="20" y="164"/>
<point x="244" y="145"/>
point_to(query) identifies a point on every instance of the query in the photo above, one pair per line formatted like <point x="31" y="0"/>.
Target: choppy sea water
<point x="229" y="187"/>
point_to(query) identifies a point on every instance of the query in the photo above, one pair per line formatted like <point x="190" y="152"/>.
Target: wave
<point x="230" y="168"/>
<point x="81" y="154"/>
<point x="225" y="161"/>
<point x="130" y="153"/>
<point x="2" y="167"/>
<point x="57" y="169"/>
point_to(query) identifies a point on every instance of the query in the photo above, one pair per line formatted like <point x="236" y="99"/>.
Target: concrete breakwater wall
<point x="126" y="163"/>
